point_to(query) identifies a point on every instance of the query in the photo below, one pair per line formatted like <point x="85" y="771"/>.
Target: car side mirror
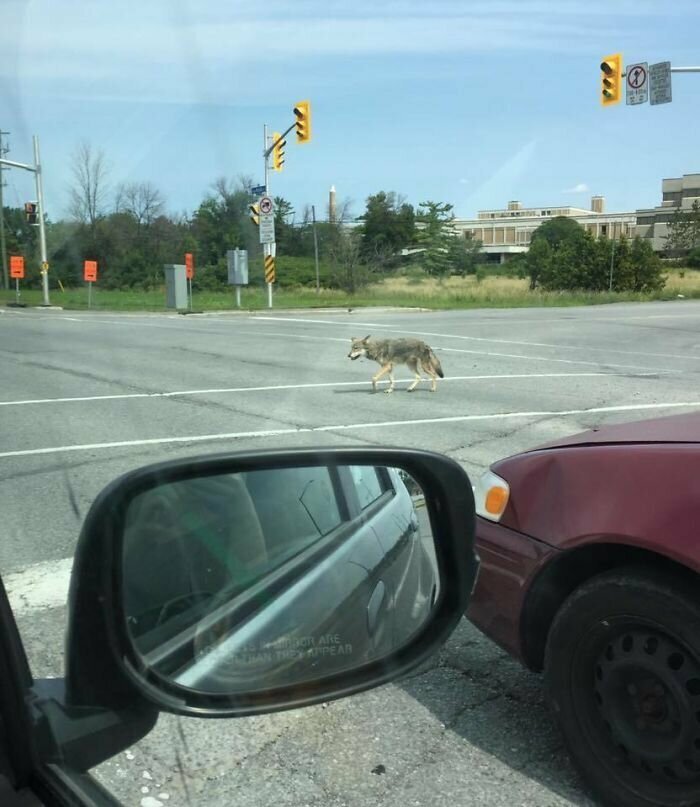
<point x="247" y="583"/>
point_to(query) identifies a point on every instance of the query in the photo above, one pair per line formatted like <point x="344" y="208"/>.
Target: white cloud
<point x="580" y="187"/>
<point x="463" y="181"/>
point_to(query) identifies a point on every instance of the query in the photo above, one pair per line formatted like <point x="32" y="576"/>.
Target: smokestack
<point x="331" y="204"/>
<point x="598" y="204"/>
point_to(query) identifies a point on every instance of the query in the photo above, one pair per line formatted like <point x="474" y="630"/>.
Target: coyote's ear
<point x="366" y="339"/>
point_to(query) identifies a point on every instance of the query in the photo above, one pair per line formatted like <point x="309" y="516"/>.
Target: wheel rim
<point x="647" y="696"/>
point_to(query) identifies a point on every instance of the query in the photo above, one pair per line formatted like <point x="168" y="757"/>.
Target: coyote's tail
<point x="436" y="364"/>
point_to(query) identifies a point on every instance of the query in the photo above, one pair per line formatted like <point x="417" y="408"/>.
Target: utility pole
<point x="313" y="219"/>
<point x="3" y="249"/>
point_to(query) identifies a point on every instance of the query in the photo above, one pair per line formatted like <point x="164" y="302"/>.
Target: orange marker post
<point x="189" y="272"/>
<point x="17" y="272"/>
<point x="90" y="277"/>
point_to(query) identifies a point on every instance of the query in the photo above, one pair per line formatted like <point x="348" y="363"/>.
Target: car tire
<point x="622" y="673"/>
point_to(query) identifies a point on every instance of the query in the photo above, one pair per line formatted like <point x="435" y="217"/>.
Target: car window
<point x="305" y="507"/>
<point x="368" y="484"/>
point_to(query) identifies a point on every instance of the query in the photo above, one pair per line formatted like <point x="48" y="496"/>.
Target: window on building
<point x="604" y="230"/>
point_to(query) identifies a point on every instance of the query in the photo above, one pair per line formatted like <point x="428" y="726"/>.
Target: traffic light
<point x="302" y="112"/>
<point x="611" y="79"/>
<point x="278" y="151"/>
<point x="255" y="213"/>
<point x="30" y="212"/>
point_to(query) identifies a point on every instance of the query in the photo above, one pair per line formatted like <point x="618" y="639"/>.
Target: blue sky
<point x="473" y="103"/>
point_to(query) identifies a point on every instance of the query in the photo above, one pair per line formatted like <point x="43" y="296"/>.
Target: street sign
<point x="90" y="271"/>
<point x="266" y="205"/>
<point x="269" y="269"/>
<point x="267" y="228"/>
<point x="637" y="83"/>
<point x="660" y="83"/>
<point x="237" y="260"/>
<point x="189" y="265"/>
<point x="258" y="190"/>
<point x="17" y="267"/>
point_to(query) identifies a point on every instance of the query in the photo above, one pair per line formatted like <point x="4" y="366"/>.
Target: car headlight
<point x="491" y="494"/>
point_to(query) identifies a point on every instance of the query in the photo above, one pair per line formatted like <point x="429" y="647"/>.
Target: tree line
<point x="128" y="230"/>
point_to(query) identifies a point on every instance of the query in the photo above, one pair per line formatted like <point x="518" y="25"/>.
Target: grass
<point x="454" y="292"/>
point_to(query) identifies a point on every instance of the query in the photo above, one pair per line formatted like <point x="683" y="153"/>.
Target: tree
<point x="463" y="254"/>
<point x="388" y="225"/>
<point x="539" y="261"/>
<point x="349" y="273"/>
<point x="89" y="189"/>
<point x="684" y="230"/>
<point x="558" y="230"/>
<point x="436" y="235"/>
<point x="647" y="267"/>
<point x="141" y="200"/>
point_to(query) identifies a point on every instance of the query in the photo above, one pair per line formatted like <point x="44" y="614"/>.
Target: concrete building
<point x="676" y="194"/>
<point x="505" y="233"/>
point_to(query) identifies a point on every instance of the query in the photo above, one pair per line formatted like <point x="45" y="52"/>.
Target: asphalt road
<point x="87" y="396"/>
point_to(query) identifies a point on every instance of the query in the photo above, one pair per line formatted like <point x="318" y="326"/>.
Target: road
<point x="87" y="396"/>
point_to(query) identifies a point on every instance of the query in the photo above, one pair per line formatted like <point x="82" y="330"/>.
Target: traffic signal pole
<point x="42" y="229"/>
<point x="267" y="248"/>
<point x="36" y="170"/>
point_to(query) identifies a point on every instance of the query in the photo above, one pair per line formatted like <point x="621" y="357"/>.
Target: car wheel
<point x="622" y="671"/>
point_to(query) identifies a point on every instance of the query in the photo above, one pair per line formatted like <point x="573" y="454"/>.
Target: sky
<point x="471" y="103"/>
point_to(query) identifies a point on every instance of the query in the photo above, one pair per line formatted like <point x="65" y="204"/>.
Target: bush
<point x="693" y="258"/>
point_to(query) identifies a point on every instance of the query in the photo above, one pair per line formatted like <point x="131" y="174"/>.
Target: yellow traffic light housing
<point x="278" y="144"/>
<point x="255" y="213"/>
<point x="302" y="113"/>
<point x="611" y="79"/>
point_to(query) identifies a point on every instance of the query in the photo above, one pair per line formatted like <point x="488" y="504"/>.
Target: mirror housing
<point x="103" y="667"/>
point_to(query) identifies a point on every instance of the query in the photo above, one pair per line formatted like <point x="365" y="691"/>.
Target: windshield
<point x="232" y="226"/>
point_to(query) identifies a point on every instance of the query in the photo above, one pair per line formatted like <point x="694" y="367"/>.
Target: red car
<point x="590" y="556"/>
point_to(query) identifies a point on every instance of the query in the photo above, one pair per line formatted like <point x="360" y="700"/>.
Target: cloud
<point x="463" y="181"/>
<point x="581" y="187"/>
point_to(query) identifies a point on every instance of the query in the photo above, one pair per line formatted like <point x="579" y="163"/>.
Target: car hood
<point x="683" y="428"/>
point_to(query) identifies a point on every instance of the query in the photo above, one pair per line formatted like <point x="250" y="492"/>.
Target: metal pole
<point x="189" y="283"/>
<point x="89" y="294"/>
<point x="612" y="263"/>
<point x="3" y="251"/>
<point x="42" y="230"/>
<point x="685" y="69"/>
<point x="17" y="289"/>
<point x="313" y="219"/>
<point x="266" y="247"/>
<point x="238" y="296"/>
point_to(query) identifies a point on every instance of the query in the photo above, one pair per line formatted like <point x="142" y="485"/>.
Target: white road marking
<point x="551" y="360"/>
<point x="384" y="424"/>
<point x="522" y="343"/>
<point x="41" y="585"/>
<point x="216" y="390"/>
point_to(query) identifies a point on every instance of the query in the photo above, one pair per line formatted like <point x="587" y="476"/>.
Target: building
<point x="676" y="194"/>
<point x="505" y="233"/>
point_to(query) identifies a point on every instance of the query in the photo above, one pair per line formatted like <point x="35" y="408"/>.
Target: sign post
<point x="267" y="239"/>
<point x="660" y="83"/>
<point x="17" y="272"/>
<point x="189" y="273"/>
<point x="90" y="277"/>
<point x="637" y="83"/>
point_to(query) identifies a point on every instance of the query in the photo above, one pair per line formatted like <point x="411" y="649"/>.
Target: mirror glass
<point x="247" y="581"/>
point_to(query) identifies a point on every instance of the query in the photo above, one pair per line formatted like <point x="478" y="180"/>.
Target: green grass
<point x="457" y="292"/>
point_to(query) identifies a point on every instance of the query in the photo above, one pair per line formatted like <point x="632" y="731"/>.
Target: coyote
<point x="389" y="352"/>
